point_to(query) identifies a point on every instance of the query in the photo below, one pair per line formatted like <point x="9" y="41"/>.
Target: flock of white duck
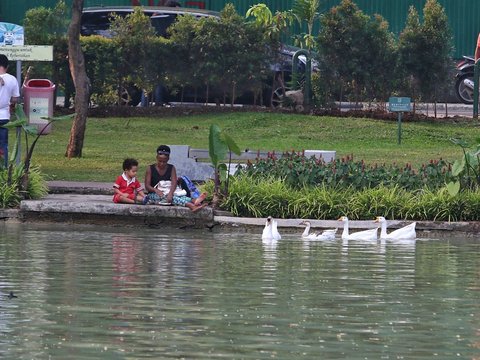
<point x="270" y="231"/>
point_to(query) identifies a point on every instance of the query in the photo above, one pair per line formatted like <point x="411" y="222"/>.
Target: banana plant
<point x="273" y="24"/>
<point x="219" y="144"/>
<point x="466" y="171"/>
<point x="306" y="11"/>
<point x="21" y="121"/>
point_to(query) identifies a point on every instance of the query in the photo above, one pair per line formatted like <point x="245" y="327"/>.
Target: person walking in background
<point x="9" y="95"/>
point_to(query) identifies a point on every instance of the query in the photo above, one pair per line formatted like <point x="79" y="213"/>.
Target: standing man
<point x="9" y="94"/>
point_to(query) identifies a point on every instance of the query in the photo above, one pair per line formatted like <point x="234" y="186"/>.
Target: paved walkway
<point x="80" y="187"/>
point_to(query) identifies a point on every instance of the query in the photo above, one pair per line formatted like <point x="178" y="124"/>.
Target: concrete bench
<point x="195" y="163"/>
<point x="202" y="155"/>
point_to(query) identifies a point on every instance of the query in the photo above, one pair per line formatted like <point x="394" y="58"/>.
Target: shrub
<point x="389" y="202"/>
<point x="261" y="197"/>
<point x="9" y="194"/>
<point x="298" y="171"/>
<point x="367" y="44"/>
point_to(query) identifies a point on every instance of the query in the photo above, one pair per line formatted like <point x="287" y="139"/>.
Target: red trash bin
<point x="38" y="97"/>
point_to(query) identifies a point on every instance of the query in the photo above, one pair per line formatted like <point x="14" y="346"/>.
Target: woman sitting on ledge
<point x="162" y="171"/>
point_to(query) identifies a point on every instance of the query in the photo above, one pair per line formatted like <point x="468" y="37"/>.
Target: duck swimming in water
<point x="328" y="234"/>
<point x="405" y="233"/>
<point x="270" y="231"/>
<point x="371" y="234"/>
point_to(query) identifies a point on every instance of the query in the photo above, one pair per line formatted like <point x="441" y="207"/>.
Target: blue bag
<point x="190" y="187"/>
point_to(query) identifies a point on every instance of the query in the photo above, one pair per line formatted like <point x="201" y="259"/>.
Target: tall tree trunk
<point x="76" y="62"/>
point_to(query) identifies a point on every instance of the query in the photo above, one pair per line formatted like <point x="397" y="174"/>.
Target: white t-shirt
<point x="8" y="90"/>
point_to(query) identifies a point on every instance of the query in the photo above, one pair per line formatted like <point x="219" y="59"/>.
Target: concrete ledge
<point x="6" y="214"/>
<point x="101" y="209"/>
<point x="292" y="225"/>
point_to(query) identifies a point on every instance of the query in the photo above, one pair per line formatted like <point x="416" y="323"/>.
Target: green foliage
<point x="306" y="11"/>
<point x="233" y="55"/>
<point x="262" y="14"/>
<point x="133" y="36"/>
<point x="219" y="143"/>
<point x="347" y="33"/>
<point x="43" y="26"/>
<point x="298" y="171"/>
<point x="271" y="25"/>
<point x="466" y="171"/>
<point x="185" y="52"/>
<point x="391" y="202"/>
<point x="37" y="185"/>
<point x="255" y="197"/>
<point x="102" y="57"/>
<point x="10" y="196"/>
<point x="437" y="206"/>
<point x="425" y="51"/>
<point x="229" y="54"/>
<point x="48" y="26"/>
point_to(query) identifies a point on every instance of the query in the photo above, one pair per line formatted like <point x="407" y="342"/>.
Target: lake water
<point x="87" y="292"/>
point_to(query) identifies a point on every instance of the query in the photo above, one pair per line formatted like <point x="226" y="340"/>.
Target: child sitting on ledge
<point x="127" y="189"/>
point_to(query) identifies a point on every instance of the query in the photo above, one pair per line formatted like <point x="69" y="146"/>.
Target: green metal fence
<point x="463" y="14"/>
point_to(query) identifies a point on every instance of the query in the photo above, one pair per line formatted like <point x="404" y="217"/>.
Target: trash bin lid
<point x="42" y="83"/>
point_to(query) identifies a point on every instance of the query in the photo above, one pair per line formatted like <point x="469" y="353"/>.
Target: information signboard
<point x="397" y="104"/>
<point x="28" y="52"/>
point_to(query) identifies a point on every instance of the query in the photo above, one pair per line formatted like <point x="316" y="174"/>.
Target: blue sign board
<point x="399" y="104"/>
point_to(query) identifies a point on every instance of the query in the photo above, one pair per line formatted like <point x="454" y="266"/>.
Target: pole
<point x="399" y="128"/>
<point x="18" y="128"/>
<point x="476" y="74"/>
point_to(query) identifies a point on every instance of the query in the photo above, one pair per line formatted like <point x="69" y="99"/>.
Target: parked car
<point x="96" y="21"/>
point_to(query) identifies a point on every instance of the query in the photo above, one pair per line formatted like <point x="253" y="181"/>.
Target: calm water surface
<point x="106" y="293"/>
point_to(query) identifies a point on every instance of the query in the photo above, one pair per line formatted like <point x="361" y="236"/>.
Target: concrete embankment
<point x="91" y="203"/>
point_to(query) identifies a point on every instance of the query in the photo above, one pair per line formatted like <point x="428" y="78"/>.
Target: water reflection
<point x="169" y="293"/>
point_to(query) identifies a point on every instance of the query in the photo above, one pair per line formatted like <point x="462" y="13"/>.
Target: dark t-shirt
<point x="156" y="177"/>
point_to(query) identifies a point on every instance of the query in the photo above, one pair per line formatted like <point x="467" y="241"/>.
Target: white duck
<point x="371" y="234"/>
<point x="306" y="233"/>
<point x="328" y="234"/>
<point x="404" y="233"/>
<point x="270" y="231"/>
<point x="325" y="235"/>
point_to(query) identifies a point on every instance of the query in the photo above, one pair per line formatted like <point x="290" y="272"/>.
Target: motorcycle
<point x="464" y="82"/>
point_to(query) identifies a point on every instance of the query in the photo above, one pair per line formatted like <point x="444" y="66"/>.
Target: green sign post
<point x="400" y="105"/>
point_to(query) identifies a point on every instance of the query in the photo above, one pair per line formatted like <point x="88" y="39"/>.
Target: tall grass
<point x="9" y="194"/>
<point x="260" y="198"/>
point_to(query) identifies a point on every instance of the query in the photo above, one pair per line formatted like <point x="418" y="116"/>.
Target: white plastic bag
<point x="164" y="186"/>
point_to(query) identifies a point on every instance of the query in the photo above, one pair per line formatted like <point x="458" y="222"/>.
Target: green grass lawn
<point x="109" y="141"/>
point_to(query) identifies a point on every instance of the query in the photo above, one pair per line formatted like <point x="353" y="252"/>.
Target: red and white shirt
<point x="126" y="185"/>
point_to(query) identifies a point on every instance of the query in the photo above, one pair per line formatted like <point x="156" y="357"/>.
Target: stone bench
<point x="195" y="163"/>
